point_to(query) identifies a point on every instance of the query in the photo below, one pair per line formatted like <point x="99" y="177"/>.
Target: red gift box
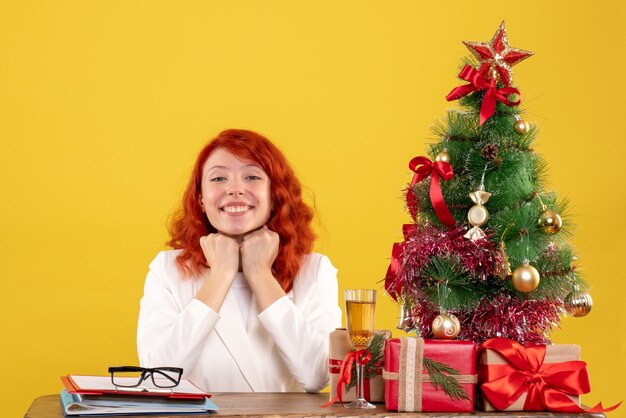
<point x="494" y="367"/>
<point x="409" y="387"/>
<point x="533" y="378"/>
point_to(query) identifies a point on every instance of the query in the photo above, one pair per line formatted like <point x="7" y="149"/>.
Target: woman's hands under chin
<point x="258" y="252"/>
<point x="222" y="255"/>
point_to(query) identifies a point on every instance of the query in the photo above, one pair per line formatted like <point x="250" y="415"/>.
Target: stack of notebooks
<point x="96" y="395"/>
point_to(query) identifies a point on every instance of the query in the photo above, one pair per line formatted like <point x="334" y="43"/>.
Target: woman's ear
<point x="200" y="203"/>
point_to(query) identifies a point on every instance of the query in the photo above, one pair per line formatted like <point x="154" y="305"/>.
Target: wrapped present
<point x="373" y="387"/>
<point x="429" y="375"/>
<point x="534" y="378"/>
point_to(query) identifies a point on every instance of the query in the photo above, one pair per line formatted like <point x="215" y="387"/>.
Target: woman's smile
<point x="237" y="209"/>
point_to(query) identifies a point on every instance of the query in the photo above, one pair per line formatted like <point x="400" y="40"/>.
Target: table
<point x="292" y="405"/>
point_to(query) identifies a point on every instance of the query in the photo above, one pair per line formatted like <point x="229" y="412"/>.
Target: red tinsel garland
<point x="526" y="321"/>
<point x="422" y="242"/>
<point x="523" y="320"/>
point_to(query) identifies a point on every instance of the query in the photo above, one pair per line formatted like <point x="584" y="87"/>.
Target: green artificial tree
<point x="487" y="254"/>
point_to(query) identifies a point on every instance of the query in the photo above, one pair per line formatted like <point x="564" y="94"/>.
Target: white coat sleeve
<point x="170" y="332"/>
<point x="301" y="333"/>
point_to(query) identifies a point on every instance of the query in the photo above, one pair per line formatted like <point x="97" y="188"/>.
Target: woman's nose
<point x="235" y="187"/>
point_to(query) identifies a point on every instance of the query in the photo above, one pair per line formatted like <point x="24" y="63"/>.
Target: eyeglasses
<point x="133" y="376"/>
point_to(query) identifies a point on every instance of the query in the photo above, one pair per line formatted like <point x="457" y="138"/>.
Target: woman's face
<point x="235" y="193"/>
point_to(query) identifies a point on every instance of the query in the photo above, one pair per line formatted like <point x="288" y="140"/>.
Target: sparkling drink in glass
<point x="360" y="309"/>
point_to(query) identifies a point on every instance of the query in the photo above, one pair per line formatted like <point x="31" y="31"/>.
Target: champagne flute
<point x="360" y="307"/>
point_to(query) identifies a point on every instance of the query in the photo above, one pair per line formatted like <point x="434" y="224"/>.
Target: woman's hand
<point x="221" y="253"/>
<point x="222" y="256"/>
<point x="258" y="252"/>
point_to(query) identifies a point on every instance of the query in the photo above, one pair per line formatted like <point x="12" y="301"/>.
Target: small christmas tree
<point x="487" y="253"/>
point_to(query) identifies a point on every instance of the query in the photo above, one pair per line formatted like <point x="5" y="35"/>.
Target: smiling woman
<point x="241" y="303"/>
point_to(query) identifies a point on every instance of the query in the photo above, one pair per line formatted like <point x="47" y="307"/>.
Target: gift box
<point x="373" y="388"/>
<point x="534" y="378"/>
<point x="414" y="369"/>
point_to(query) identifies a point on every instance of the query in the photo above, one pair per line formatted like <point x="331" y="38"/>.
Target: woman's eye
<point x="216" y="179"/>
<point x="253" y="177"/>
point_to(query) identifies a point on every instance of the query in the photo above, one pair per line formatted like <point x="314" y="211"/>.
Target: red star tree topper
<point x="497" y="57"/>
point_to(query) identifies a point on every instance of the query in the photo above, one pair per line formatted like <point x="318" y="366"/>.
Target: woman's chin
<point x="232" y="234"/>
<point x="238" y="232"/>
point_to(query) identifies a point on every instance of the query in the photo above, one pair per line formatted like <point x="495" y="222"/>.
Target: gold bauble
<point x="443" y="156"/>
<point x="525" y="278"/>
<point x="521" y="127"/>
<point x="578" y="303"/>
<point x="446" y="326"/>
<point x="550" y="221"/>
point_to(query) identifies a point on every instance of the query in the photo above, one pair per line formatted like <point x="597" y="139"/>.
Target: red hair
<point x="290" y="217"/>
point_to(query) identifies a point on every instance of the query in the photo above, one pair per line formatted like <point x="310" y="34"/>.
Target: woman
<point x="241" y="303"/>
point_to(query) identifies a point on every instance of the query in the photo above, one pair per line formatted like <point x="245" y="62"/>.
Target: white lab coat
<point x="283" y="349"/>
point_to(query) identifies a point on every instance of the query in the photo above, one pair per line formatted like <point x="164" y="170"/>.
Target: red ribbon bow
<point x="423" y="167"/>
<point x="361" y="357"/>
<point x="546" y="384"/>
<point x="478" y="82"/>
<point x="393" y="285"/>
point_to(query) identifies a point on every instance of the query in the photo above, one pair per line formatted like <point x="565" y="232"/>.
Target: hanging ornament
<point x="478" y="214"/>
<point x="497" y="57"/>
<point x="525" y="278"/>
<point x="578" y="303"/>
<point x="405" y="322"/>
<point x="549" y="220"/>
<point x="443" y="156"/>
<point x="504" y="272"/>
<point x="521" y="127"/>
<point x="446" y="326"/>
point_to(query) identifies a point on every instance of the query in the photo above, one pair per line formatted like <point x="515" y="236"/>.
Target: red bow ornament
<point x="478" y="82"/>
<point x="423" y="167"/>
<point x="393" y="281"/>
<point x="547" y="385"/>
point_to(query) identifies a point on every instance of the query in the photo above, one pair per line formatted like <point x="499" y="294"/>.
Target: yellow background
<point x="104" y="105"/>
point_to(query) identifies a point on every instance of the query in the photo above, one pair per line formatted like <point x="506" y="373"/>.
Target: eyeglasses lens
<point x="127" y="378"/>
<point x="165" y="378"/>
